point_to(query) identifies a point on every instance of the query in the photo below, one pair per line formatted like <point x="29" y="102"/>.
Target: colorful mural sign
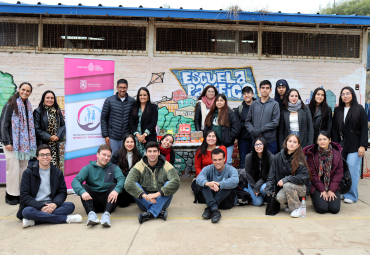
<point x="228" y="81"/>
<point x="7" y="88"/>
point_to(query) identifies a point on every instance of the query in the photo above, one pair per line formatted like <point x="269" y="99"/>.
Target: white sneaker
<point x="28" y="223"/>
<point x="73" y="218"/>
<point x="296" y="213"/>
<point x="348" y="201"/>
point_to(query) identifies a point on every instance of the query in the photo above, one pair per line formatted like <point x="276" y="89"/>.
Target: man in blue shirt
<point x="218" y="182"/>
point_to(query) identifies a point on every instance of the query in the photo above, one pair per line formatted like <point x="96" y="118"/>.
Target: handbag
<point x="346" y="182"/>
<point x="273" y="206"/>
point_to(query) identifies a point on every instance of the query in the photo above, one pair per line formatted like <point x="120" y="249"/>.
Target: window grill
<point x="206" y="41"/>
<point x="89" y="37"/>
<point x="311" y="45"/>
<point x="18" y="35"/>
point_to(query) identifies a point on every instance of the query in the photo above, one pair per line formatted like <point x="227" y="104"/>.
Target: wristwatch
<point x="145" y="134"/>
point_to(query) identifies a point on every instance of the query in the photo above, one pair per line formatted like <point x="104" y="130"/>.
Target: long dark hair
<point x="202" y="149"/>
<point x="13" y="99"/>
<point x="122" y="162"/>
<point x="166" y="135"/>
<point x="223" y="115"/>
<point x="41" y="104"/>
<point x="354" y="111"/>
<point x="298" y="156"/>
<point x="325" y="109"/>
<point x="136" y="107"/>
<point x="265" y="163"/>
<point x="204" y="92"/>
<point x="286" y="99"/>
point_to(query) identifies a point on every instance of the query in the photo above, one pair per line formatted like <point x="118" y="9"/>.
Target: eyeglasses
<point x="210" y="92"/>
<point x="258" y="144"/>
<point x="345" y="94"/>
<point x="121" y="88"/>
<point x="44" y="155"/>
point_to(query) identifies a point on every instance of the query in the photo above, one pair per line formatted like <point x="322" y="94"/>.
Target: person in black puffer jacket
<point x="115" y="116"/>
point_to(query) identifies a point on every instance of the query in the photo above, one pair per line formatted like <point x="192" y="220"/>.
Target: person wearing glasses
<point x="115" y="116"/>
<point x="43" y="193"/>
<point x="351" y="131"/>
<point x="257" y="167"/>
<point x="202" y="108"/>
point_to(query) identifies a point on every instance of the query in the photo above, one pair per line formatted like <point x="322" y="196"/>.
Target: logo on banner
<point x="90" y="67"/>
<point x="228" y="81"/>
<point x="88" y="117"/>
<point x="83" y="84"/>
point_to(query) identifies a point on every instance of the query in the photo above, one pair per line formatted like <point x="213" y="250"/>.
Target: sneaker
<point x="207" y="214"/>
<point x="287" y="209"/>
<point x="105" y="219"/>
<point x="92" y="219"/>
<point x="145" y="216"/>
<point x="163" y="215"/>
<point x="341" y="197"/>
<point x="11" y="200"/>
<point x="28" y="223"/>
<point x="348" y="201"/>
<point x="296" y="213"/>
<point x="216" y="216"/>
<point x="74" y="218"/>
<point x="265" y="203"/>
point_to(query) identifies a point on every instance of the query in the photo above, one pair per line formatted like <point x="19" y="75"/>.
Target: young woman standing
<point x="351" y="131"/>
<point x="203" y="106"/>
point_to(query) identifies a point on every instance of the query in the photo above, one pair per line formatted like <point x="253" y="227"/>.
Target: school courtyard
<point x="242" y="230"/>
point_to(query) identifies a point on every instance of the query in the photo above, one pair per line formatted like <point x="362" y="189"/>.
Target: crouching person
<point x="218" y="182"/>
<point x="43" y="192"/>
<point x="104" y="181"/>
<point x="152" y="182"/>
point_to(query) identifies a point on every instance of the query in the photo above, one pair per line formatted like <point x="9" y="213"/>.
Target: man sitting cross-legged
<point x="43" y="192"/>
<point x="104" y="181"/>
<point x="218" y="182"/>
<point x="152" y="182"/>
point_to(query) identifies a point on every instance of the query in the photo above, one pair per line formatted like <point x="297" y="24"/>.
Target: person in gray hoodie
<point x="218" y="182"/>
<point x="263" y="117"/>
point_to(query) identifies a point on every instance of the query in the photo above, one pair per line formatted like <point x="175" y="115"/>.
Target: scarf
<point x="208" y="102"/>
<point x="166" y="153"/>
<point x="294" y="107"/>
<point x="326" y="160"/>
<point x="24" y="138"/>
<point x="52" y="129"/>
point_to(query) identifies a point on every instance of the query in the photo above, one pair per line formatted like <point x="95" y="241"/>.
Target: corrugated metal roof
<point x="183" y="13"/>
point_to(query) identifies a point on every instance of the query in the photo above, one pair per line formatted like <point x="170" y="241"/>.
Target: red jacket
<point x="336" y="173"/>
<point x="205" y="160"/>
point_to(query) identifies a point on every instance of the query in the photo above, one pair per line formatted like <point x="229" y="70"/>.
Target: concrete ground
<point x="242" y="230"/>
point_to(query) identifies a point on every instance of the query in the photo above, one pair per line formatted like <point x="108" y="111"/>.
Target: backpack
<point x="197" y="190"/>
<point x="346" y="182"/>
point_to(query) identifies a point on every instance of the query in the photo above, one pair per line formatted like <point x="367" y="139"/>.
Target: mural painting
<point x="7" y="88"/>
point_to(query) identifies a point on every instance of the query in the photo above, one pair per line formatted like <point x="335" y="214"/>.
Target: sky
<point x="285" y="6"/>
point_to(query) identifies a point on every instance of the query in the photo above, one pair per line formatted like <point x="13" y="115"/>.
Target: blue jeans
<point x="58" y="216"/>
<point x="256" y="200"/>
<point x="272" y="147"/>
<point x="245" y="147"/>
<point x="115" y="145"/>
<point x="354" y="165"/>
<point x="162" y="203"/>
<point x="229" y="150"/>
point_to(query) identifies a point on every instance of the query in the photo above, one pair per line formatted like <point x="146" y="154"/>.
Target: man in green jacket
<point x="104" y="181"/>
<point x="152" y="182"/>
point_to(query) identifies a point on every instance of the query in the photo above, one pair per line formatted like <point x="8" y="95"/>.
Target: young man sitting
<point x="218" y="182"/>
<point x="43" y="192"/>
<point x="104" y="181"/>
<point x="152" y="182"/>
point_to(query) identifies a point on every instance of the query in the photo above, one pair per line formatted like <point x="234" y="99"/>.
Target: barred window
<point x="18" y="35"/>
<point x="206" y="41"/>
<point x="314" y="44"/>
<point x="79" y="37"/>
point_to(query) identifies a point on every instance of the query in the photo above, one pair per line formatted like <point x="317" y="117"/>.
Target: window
<point x="18" y="35"/>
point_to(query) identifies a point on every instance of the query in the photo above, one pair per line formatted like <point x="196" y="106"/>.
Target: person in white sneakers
<point x="289" y="175"/>
<point x="43" y="193"/>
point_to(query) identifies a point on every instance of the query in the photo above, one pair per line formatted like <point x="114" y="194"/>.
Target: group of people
<point x="286" y="148"/>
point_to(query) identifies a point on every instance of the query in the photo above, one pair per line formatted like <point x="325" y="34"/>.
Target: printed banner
<point x="88" y="82"/>
<point x="228" y="81"/>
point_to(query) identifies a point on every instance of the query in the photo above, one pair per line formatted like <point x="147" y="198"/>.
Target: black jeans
<point x="124" y="199"/>
<point x="99" y="202"/>
<point x="323" y="206"/>
<point x="223" y="199"/>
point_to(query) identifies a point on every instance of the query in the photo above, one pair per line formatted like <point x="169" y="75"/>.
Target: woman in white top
<point x="203" y="106"/>
<point x="126" y="158"/>
<point x="295" y="118"/>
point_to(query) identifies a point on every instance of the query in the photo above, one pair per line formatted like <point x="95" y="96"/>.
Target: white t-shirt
<point x="122" y="99"/>
<point x="346" y="109"/>
<point x="294" y="125"/>
<point x="129" y="159"/>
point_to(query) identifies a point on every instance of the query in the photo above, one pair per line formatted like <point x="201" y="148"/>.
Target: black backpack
<point x="346" y="182"/>
<point x="198" y="195"/>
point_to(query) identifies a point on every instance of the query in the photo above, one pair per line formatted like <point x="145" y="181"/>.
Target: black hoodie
<point x="277" y="96"/>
